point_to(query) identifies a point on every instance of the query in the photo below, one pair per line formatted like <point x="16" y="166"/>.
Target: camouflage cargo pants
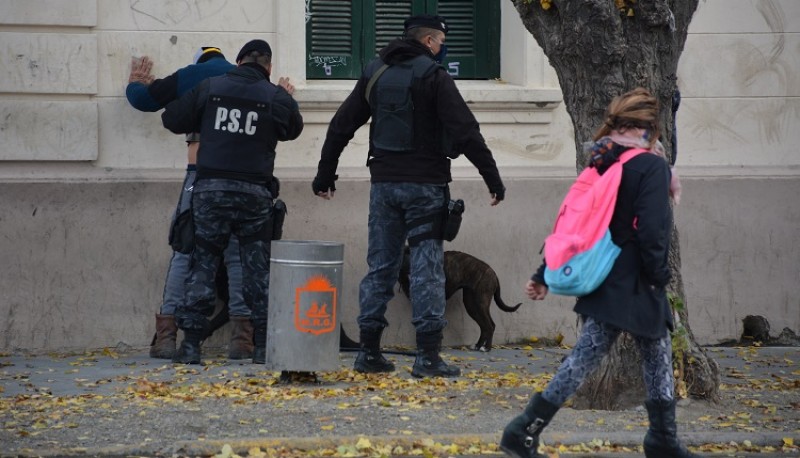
<point x="392" y="209"/>
<point x="221" y="208"/>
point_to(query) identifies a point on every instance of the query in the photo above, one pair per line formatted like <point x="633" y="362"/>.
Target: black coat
<point x="633" y="296"/>
<point x="437" y="105"/>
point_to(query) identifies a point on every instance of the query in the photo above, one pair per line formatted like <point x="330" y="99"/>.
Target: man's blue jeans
<point x="392" y="207"/>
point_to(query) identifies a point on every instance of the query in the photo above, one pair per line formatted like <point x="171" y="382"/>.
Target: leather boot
<point x="661" y="440"/>
<point x="189" y="351"/>
<point x="428" y="362"/>
<point x="163" y="346"/>
<point x="370" y="359"/>
<point x="241" y="346"/>
<point x="521" y="436"/>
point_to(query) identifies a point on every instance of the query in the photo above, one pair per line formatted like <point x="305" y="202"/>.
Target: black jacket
<point x="185" y="115"/>
<point x="437" y="105"/>
<point x="633" y="296"/>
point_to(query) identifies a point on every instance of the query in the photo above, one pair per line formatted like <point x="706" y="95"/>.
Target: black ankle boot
<point x="370" y="359"/>
<point x="260" y="355"/>
<point x="189" y="351"/>
<point x="521" y="436"/>
<point x="260" y="343"/>
<point x="661" y="440"/>
<point x="428" y="362"/>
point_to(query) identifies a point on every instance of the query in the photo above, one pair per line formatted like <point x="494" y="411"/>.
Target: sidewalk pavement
<point x="119" y="402"/>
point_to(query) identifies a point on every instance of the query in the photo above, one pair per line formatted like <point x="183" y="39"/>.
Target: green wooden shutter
<point x="342" y="35"/>
<point x="388" y="18"/>
<point x="473" y="42"/>
<point x="333" y="29"/>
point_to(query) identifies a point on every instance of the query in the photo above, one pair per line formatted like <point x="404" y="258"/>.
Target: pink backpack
<point x="579" y="253"/>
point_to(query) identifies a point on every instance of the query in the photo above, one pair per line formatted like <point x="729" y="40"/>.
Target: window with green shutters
<point x="343" y="35"/>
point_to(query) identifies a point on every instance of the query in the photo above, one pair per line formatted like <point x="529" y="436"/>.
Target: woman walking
<point x="632" y="298"/>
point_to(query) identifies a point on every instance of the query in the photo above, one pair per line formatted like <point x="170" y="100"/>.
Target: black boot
<point x="260" y="355"/>
<point x="521" y="436"/>
<point x="661" y="440"/>
<point x="428" y="362"/>
<point x="370" y="359"/>
<point x="260" y="343"/>
<point x="189" y="351"/>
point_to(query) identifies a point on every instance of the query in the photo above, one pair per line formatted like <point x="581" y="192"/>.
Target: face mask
<point x="439" y="57"/>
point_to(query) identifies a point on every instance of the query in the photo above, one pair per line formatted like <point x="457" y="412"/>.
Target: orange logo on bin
<point x="315" y="306"/>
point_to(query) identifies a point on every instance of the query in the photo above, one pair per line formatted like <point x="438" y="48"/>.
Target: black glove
<point x="324" y="184"/>
<point x="499" y="193"/>
<point x="325" y="179"/>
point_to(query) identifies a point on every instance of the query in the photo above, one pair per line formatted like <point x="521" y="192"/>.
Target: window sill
<point x="489" y="95"/>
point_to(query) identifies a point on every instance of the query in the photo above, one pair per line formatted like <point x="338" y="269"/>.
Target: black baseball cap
<point x="426" y="20"/>
<point x="254" y="45"/>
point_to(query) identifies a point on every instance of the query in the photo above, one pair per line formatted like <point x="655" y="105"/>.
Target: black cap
<point x="254" y="45"/>
<point x="426" y="20"/>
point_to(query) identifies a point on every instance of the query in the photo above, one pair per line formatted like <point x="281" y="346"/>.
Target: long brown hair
<point x="631" y="110"/>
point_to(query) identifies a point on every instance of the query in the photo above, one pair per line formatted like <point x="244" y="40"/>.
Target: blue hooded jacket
<point x="162" y="91"/>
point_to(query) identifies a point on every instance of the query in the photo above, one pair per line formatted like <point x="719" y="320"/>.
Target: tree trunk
<point x="697" y="374"/>
<point x="600" y="49"/>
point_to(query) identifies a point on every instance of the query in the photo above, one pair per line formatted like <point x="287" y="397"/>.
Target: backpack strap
<point x="373" y="80"/>
<point x="623" y="158"/>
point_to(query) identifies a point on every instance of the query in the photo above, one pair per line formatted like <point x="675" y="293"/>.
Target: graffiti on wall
<point x="327" y="62"/>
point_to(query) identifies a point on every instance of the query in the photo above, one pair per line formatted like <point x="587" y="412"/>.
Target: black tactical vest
<point x="237" y="128"/>
<point x="392" y="127"/>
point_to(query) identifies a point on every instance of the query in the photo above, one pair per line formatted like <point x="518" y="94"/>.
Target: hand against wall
<point x="283" y="82"/>
<point x="140" y="70"/>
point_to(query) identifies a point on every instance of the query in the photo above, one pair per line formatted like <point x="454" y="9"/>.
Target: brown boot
<point x="163" y="346"/>
<point x="241" y="346"/>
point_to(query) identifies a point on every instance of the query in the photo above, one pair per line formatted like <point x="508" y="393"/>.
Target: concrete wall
<point x="87" y="184"/>
<point x="84" y="264"/>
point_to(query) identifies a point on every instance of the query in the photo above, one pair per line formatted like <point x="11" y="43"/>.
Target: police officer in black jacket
<point x="241" y="116"/>
<point x="415" y="108"/>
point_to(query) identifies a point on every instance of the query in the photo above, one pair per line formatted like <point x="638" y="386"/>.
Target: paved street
<point x="122" y="403"/>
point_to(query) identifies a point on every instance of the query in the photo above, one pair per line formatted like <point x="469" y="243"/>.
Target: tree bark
<point x="600" y="49"/>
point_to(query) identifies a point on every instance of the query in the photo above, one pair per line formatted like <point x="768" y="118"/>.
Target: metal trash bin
<point x="303" y="316"/>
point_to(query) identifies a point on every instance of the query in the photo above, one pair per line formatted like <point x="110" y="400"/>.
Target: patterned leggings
<point x="593" y="344"/>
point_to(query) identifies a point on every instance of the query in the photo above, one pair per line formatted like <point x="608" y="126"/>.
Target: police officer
<point x="241" y="116"/>
<point x="146" y="93"/>
<point x="415" y="106"/>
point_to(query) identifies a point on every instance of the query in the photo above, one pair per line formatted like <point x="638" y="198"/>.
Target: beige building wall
<point x="87" y="183"/>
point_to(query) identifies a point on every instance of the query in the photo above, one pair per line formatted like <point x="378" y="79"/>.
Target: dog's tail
<point x="502" y="305"/>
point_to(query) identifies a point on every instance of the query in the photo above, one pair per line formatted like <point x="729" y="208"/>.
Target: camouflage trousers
<point x="222" y="208"/>
<point x="392" y="207"/>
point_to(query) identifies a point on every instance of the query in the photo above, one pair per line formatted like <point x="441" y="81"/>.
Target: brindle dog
<point x="479" y="284"/>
